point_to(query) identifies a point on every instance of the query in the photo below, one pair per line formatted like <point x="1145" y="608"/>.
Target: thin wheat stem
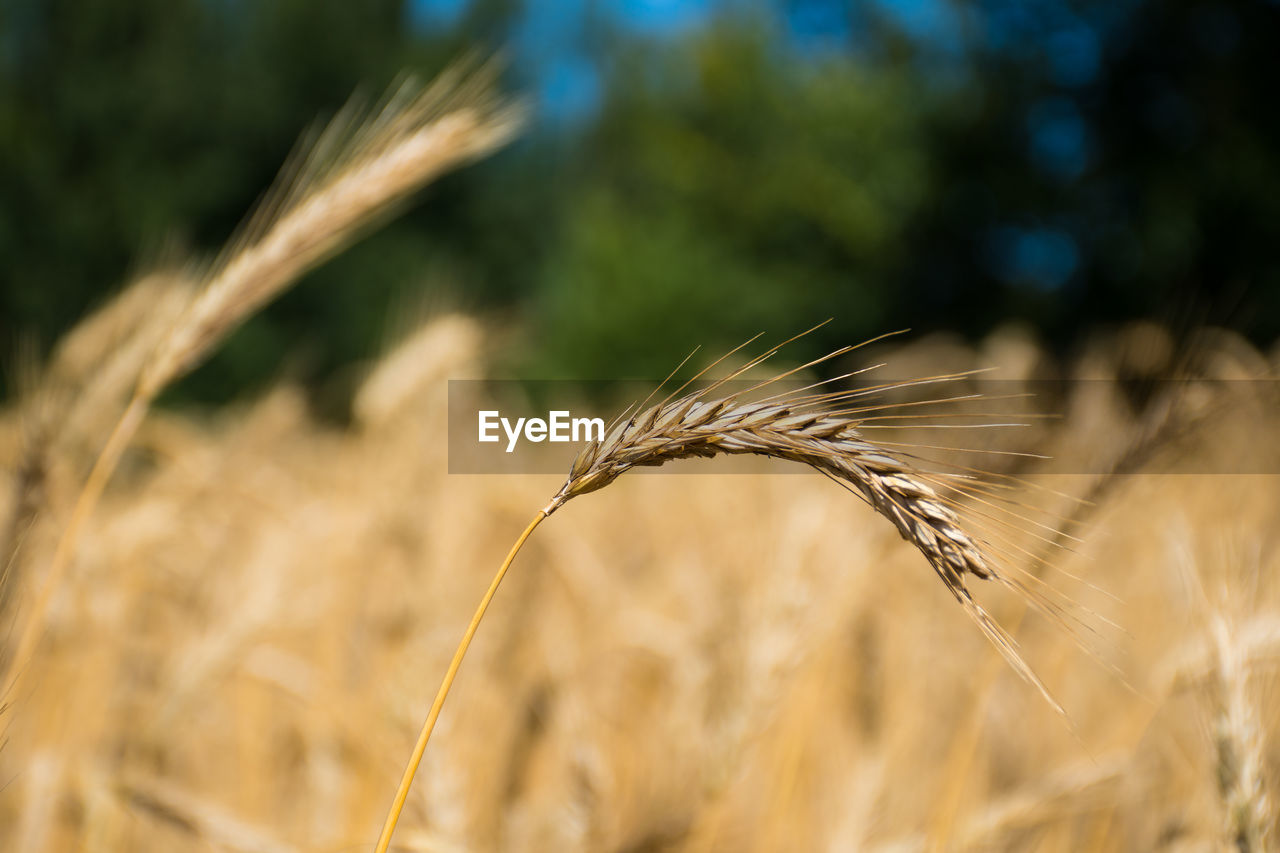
<point x="402" y="793"/>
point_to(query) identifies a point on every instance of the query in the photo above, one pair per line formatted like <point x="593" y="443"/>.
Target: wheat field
<point x="222" y="630"/>
<point x="261" y="607"/>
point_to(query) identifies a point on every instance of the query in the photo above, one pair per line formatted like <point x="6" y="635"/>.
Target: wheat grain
<point x="355" y="172"/>
<point x="814" y="432"/>
<point x="819" y="430"/>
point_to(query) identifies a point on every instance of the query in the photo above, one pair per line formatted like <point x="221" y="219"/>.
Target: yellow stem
<point x="402" y="793"/>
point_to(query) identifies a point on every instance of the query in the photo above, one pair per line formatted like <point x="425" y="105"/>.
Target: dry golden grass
<point x="262" y="606"/>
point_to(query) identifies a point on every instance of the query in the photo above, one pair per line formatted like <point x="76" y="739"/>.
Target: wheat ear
<point x="357" y="170"/>
<point x="818" y="430"/>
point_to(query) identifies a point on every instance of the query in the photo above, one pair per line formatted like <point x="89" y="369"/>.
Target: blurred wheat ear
<point x="339" y="182"/>
<point x="824" y="430"/>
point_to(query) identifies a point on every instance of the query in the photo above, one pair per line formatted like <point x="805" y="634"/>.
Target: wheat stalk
<point x="364" y="164"/>
<point x="822" y="430"/>
<point x="355" y="172"/>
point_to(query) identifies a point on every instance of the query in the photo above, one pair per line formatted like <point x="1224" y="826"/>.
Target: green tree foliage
<point x="1063" y="162"/>
<point x="1176" y="187"/>
<point x="724" y="192"/>
<point x="129" y="127"/>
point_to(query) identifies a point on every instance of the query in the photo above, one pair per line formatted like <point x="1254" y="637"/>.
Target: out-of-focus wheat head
<point x="359" y="168"/>
<point x="412" y="376"/>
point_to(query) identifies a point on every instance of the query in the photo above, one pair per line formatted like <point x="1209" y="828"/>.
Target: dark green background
<point x="734" y="178"/>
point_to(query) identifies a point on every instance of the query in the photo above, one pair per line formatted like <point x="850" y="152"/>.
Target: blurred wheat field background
<point x="262" y="605"/>
<point x="240" y="638"/>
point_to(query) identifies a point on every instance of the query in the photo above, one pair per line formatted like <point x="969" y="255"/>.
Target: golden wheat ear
<point x="359" y="169"/>
<point x="823" y="430"/>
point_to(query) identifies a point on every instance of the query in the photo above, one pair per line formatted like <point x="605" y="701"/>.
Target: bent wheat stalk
<point x="358" y="170"/>
<point x="818" y="430"/>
